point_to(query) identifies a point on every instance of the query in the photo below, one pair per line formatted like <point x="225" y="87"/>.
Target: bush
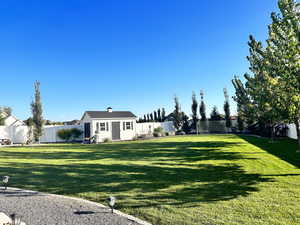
<point x="76" y="133"/>
<point x="106" y="140"/>
<point x="68" y="134"/>
<point x="158" y="130"/>
<point x="64" y="134"/>
<point x="155" y="134"/>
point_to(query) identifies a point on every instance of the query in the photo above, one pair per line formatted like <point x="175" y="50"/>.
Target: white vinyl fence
<point x="214" y="126"/>
<point x="292" y="133"/>
<point x="19" y="134"/>
<point x="148" y="128"/>
<point x="50" y="133"/>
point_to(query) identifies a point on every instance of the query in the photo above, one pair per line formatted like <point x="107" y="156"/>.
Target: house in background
<point x="109" y="124"/>
<point x="10" y="120"/>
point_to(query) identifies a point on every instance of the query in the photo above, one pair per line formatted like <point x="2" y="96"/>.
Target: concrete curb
<point x="117" y="212"/>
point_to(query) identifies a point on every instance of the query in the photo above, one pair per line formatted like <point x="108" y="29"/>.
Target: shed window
<point x="128" y="126"/>
<point x="102" y="126"/>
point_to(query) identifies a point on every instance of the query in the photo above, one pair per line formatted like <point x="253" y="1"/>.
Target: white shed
<point x="109" y="124"/>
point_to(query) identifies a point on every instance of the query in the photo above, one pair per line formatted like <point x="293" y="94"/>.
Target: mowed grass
<point x="209" y="179"/>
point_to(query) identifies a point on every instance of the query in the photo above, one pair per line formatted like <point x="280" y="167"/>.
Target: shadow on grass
<point x="284" y="149"/>
<point x="182" y="151"/>
<point x="170" y="177"/>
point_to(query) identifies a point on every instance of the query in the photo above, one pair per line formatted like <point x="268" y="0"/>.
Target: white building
<point x="109" y="124"/>
<point x="10" y="120"/>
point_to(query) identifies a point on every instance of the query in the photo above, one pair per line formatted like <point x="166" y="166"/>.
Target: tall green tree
<point x="151" y="117"/>
<point x="148" y="117"/>
<point x="215" y="115"/>
<point x="177" y="115"/>
<point x="29" y="124"/>
<point x="155" y="116"/>
<point x="227" y="109"/>
<point x="202" y="108"/>
<point x="274" y="87"/>
<point x="246" y="107"/>
<point x="37" y="113"/>
<point x="194" y="108"/>
<point x="159" y="115"/>
<point x="283" y="48"/>
<point x="145" y="119"/>
<point x="163" y="114"/>
<point x="240" y="121"/>
<point x="185" y="123"/>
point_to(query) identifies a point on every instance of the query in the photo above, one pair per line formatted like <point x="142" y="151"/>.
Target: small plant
<point x="158" y="129"/>
<point x="106" y="140"/>
<point x="158" y="132"/>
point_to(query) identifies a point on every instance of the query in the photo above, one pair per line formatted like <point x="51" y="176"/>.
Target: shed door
<point x="87" y="130"/>
<point x="115" y="129"/>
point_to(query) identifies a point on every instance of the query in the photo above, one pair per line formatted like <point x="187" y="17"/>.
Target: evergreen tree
<point x="215" y="115"/>
<point x="246" y="108"/>
<point x="29" y="123"/>
<point x="37" y="117"/>
<point x="240" y="121"/>
<point x="227" y="109"/>
<point x="148" y="118"/>
<point x="155" y="117"/>
<point x="163" y="115"/>
<point x="151" y="117"/>
<point x="159" y="115"/>
<point x="177" y="115"/>
<point x="185" y="123"/>
<point x="145" y="119"/>
<point x="194" y="111"/>
<point x="202" y="109"/>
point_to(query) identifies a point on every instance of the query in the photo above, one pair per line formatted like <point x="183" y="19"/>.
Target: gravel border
<point x="13" y="197"/>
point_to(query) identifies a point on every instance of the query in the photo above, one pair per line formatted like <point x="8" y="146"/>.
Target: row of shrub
<point x="69" y="134"/>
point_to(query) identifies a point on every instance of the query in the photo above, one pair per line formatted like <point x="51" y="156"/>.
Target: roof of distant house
<point x="107" y="115"/>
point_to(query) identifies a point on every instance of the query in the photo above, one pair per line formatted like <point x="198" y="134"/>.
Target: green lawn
<point x="213" y="179"/>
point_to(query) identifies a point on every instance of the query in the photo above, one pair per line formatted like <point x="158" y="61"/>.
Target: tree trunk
<point x="297" y="124"/>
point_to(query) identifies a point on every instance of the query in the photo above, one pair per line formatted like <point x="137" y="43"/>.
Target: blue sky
<point x="128" y="54"/>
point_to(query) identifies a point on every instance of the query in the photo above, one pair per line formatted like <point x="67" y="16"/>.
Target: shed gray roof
<point x="113" y="114"/>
